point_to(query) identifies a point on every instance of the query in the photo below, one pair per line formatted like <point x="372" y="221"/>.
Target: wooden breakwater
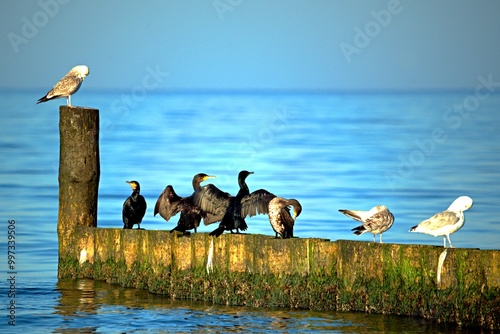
<point x="258" y="270"/>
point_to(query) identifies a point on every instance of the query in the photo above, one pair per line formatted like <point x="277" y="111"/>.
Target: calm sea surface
<point x="413" y="152"/>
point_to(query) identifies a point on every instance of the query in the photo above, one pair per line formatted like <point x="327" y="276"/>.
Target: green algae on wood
<point x="79" y="173"/>
<point x="258" y="270"/>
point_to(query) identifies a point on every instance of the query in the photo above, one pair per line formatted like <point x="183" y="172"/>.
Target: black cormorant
<point x="224" y="207"/>
<point x="277" y="208"/>
<point x="134" y="207"/>
<point x="169" y="204"/>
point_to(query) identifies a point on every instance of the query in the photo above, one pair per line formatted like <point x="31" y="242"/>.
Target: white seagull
<point x="446" y="222"/>
<point x="376" y="221"/>
<point x="68" y="85"/>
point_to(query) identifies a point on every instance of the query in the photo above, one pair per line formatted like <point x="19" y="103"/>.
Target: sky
<point x="246" y="45"/>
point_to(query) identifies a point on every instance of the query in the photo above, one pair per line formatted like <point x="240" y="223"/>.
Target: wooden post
<point x="79" y="172"/>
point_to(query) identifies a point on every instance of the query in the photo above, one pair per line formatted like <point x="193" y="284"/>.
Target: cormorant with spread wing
<point x="224" y="207"/>
<point x="134" y="207"/>
<point x="169" y="204"/>
<point x="277" y="208"/>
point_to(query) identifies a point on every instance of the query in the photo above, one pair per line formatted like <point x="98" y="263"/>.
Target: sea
<point x="414" y="152"/>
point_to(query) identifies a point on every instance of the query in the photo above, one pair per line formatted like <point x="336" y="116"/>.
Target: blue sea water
<point x="414" y="152"/>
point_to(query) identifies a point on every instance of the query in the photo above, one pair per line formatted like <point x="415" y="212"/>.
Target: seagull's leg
<point x="380" y="237"/>
<point x="68" y="100"/>
<point x="449" y="240"/>
<point x="444" y="241"/>
<point x="374" y="238"/>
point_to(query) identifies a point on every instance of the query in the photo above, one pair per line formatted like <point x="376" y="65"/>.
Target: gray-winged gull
<point x="376" y="221"/>
<point x="446" y="222"/>
<point x="68" y="85"/>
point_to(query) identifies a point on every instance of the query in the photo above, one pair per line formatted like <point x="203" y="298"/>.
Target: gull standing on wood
<point x="376" y="221"/>
<point x="446" y="222"/>
<point x="68" y="85"/>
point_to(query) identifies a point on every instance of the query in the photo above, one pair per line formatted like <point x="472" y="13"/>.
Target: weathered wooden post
<point x="79" y="173"/>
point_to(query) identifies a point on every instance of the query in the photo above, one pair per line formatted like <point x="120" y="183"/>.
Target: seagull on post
<point x="68" y="85"/>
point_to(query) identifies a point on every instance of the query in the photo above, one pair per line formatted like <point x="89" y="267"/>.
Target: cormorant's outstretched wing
<point x="210" y="219"/>
<point x="256" y="203"/>
<point x="213" y="201"/>
<point x="167" y="203"/>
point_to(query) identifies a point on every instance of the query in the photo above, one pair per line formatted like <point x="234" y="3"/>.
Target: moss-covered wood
<point x="79" y="173"/>
<point x="258" y="270"/>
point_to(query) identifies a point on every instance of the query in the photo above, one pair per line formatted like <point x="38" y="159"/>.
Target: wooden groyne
<point x="79" y="170"/>
<point x="259" y="270"/>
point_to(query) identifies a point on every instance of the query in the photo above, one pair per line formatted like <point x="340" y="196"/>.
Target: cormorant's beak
<point x="131" y="184"/>
<point x="209" y="177"/>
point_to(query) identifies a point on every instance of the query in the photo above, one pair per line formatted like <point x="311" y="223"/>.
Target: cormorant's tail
<point x="241" y="224"/>
<point x="126" y="223"/>
<point x="218" y="231"/>
<point x="179" y="228"/>
<point x="288" y="233"/>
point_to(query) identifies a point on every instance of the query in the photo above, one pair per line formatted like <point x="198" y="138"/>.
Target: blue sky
<point x="242" y="44"/>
